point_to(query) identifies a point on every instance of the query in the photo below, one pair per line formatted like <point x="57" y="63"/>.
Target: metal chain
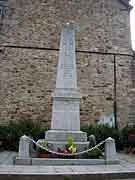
<point x="70" y="154"/>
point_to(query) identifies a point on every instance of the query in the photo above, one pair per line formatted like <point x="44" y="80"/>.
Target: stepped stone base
<point x="63" y="162"/>
<point x="58" y="139"/>
<point x="81" y="146"/>
<point x="62" y="135"/>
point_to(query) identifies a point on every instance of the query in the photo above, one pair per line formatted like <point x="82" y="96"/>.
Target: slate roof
<point x="126" y="3"/>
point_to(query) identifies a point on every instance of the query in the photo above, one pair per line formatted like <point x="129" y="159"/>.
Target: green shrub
<point x="102" y="132"/>
<point x="11" y="133"/>
<point x="128" y="129"/>
<point x="128" y="136"/>
<point x="94" y="154"/>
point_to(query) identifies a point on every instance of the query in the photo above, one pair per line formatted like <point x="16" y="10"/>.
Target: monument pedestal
<point x="62" y="135"/>
<point x="58" y="139"/>
<point x="66" y="110"/>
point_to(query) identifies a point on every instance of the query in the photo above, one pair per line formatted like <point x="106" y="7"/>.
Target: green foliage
<point x="102" y="132"/>
<point x="44" y="144"/>
<point x="128" y="136"/>
<point x="69" y="141"/>
<point x="94" y="154"/>
<point x="67" y="178"/>
<point x="11" y="132"/>
<point x="71" y="147"/>
<point x="128" y="129"/>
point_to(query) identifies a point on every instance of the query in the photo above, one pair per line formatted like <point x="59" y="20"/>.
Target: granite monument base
<point x="58" y="139"/>
<point x="62" y="135"/>
<point x="63" y="162"/>
<point x="81" y="146"/>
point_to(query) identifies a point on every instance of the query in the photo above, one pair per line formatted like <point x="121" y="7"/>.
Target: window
<point x="3" y="11"/>
<point x="3" y="8"/>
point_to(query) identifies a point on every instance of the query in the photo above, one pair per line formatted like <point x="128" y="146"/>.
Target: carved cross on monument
<point x="66" y="98"/>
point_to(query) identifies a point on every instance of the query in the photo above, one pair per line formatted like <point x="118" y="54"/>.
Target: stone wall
<point x="27" y="75"/>
<point x="28" y="79"/>
<point x="103" y="24"/>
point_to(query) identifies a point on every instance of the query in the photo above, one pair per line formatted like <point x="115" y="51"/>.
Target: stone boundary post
<point x="110" y="150"/>
<point x="24" y="147"/>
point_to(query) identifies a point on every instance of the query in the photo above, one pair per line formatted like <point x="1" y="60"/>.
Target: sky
<point x="132" y="20"/>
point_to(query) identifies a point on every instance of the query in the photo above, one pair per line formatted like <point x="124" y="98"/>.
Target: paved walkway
<point x="7" y="157"/>
<point x="100" y="172"/>
<point x="125" y="170"/>
<point x="127" y="158"/>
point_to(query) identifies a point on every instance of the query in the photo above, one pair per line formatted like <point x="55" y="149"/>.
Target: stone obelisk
<point x="66" y="98"/>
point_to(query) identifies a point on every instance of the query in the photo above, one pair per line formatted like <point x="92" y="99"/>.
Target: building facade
<point x="29" y="44"/>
